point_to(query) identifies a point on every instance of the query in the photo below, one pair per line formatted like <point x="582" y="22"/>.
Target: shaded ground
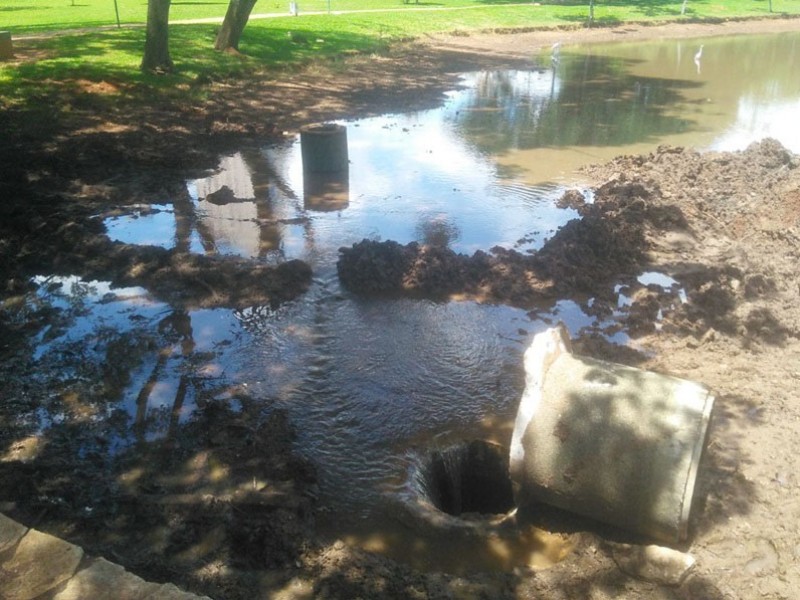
<point x="225" y="508"/>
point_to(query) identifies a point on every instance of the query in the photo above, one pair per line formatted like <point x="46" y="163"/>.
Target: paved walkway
<point x="256" y="16"/>
<point x="33" y="563"/>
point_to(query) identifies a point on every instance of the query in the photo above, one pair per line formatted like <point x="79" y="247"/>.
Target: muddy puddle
<point x="366" y="382"/>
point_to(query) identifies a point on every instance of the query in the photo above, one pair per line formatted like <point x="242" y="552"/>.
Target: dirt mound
<point x="585" y="256"/>
<point x="726" y="221"/>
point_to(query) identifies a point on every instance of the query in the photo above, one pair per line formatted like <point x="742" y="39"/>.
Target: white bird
<point x="699" y="54"/>
<point x="697" y="58"/>
<point x="555" y="51"/>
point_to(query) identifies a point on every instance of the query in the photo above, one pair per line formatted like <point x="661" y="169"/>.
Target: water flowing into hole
<point x="471" y="477"/>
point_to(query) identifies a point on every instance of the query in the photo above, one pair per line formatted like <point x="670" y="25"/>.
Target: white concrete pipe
<point x="607" y="441"/>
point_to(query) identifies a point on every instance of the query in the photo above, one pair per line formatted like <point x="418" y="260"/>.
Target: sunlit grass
<point x="36" y="15"/>
<point x="65" y="63"/>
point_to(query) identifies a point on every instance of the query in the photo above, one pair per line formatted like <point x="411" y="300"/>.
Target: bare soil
<point x="227" y="510"/>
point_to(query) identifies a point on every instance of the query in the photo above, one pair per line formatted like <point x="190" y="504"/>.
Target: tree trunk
<point x="156" y="45"/>
<point x="233" y="25"/>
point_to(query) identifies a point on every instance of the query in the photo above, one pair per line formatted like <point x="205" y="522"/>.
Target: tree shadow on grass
<point x="658" y="8"/>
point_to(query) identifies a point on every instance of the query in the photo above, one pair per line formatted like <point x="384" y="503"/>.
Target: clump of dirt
<point x="587" y="255"/>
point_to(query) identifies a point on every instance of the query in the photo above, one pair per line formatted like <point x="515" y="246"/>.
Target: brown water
<point x="366" y="381"/>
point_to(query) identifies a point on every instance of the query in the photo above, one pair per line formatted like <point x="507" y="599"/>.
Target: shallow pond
<point x="367" y="381"/>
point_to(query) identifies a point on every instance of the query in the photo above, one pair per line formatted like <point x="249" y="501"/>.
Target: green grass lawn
<point x="19" y="16"/>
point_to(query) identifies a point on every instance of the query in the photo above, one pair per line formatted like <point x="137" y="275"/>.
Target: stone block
<point x="653" y="563"/>
<point x="40" y="563"/>
<point x="104" y="580"/>
<point x="10" y="533"/>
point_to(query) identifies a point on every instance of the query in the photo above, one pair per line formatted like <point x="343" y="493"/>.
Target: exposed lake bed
<point x="732" y="249"/>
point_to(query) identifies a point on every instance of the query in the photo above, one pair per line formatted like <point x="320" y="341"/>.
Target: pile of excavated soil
<point x="587" y="255"/>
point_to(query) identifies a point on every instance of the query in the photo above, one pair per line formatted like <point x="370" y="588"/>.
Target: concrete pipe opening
<point x="608" y="441"/>
<point x="465" y="479"/>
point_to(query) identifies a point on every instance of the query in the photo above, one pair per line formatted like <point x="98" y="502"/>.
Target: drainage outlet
<point x="466" y="478"/>
<point x="460" y="488"/>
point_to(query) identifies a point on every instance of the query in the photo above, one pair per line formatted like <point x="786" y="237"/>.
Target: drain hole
<point x="471" y="477"/>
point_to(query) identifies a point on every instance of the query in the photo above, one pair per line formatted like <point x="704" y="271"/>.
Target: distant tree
<point x="156" y="45"/>
<point x="233" y="25"/>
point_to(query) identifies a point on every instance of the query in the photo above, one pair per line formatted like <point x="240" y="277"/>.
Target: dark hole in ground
<point x="471" y="477"/>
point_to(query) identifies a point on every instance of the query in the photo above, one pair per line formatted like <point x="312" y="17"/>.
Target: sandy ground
<point x="725" y="226"/>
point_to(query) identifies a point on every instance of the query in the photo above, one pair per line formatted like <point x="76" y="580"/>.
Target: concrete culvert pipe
<point x="607" y="441"/>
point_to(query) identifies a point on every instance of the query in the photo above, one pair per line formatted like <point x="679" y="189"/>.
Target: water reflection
<point x="326" y="192"/>
<point x="698" y="57"/>
<point x="394" y="190"/>
<point x="145" y="364"/>
<point x="606" y="100"/>
<point x="591" y="100"/>
<point x="242" y="207"/>
<point x="485" y="168"/>
<point x="736" y="80"/>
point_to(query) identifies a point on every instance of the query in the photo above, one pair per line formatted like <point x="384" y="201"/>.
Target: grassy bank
<point x="71" y="61"/>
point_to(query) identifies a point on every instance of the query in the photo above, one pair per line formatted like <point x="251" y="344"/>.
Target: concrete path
<point x="34" y="564"/>
<point x="256" y="16"/>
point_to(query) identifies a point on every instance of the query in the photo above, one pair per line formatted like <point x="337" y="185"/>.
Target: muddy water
<point x="368" y="382"/>
<point x="600" y="101"/>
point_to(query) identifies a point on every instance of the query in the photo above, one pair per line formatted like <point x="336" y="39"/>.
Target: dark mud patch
<point x="206" y="509"/>
<point x="586" y="256"/>
<point x="79" y="247"/>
